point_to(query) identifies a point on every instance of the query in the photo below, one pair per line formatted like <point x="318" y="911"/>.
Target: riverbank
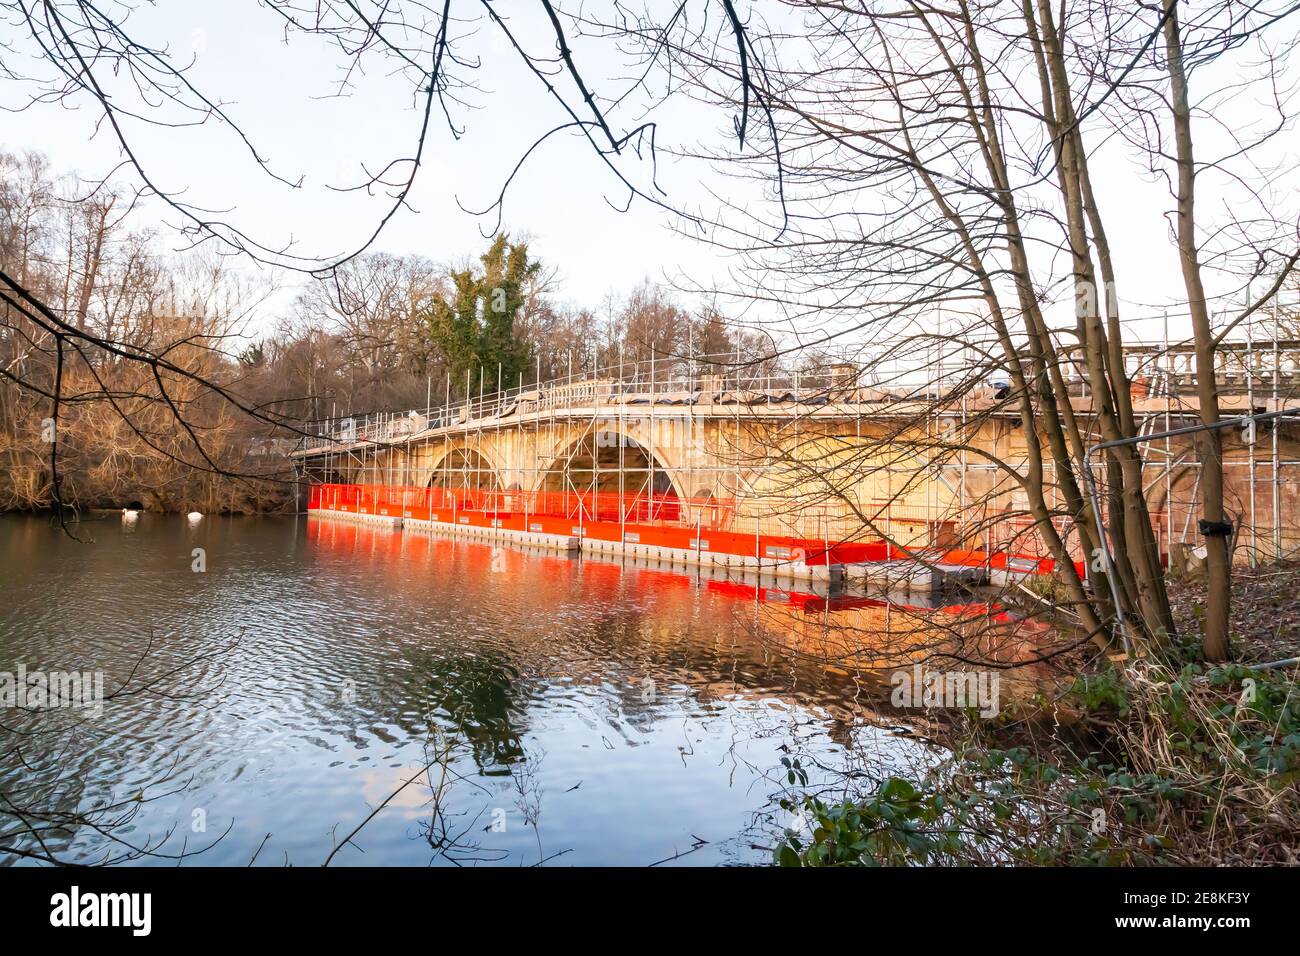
<point x="114" y="471"/>
<point x="1170" y="762"/>
<point x="267" y="500"/>
<point x="1265" y="621"/>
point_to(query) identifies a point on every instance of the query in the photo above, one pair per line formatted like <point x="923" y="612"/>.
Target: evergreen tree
<point x="475" y="329"/>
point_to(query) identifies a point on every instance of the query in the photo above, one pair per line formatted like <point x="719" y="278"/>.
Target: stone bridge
<point x="820" y="457"/>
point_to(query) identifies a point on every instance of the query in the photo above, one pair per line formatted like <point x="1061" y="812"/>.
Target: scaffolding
<point x="715" y="449"/>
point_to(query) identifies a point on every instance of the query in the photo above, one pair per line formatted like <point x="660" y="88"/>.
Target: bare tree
<point x="935" y="204"/>
<point x="929" y="184"/>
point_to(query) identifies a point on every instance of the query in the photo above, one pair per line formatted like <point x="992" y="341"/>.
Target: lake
<point x="274" y="681"/>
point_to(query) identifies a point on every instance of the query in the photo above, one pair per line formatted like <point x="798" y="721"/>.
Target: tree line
<point x="384" y="332"/>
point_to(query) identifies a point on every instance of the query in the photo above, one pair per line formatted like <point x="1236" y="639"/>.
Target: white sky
<point x="278" y="95"/>
<point x="561" y="199"/>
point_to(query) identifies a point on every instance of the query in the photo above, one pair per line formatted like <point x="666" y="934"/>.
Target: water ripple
<point x="595" y="709"/>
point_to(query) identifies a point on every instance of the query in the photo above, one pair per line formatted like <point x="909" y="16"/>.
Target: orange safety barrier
<point x="666" y="521"/>
<point x="589" y="506"/>
<point x="691" y="524"/>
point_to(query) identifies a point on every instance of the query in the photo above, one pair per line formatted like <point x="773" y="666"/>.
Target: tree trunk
<point x="1209" y="443"/>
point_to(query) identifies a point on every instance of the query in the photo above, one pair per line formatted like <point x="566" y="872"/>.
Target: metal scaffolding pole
<point x="1169" y="448"/>
<point x="1276" y="451"/>
<point x="1250" y="432"/>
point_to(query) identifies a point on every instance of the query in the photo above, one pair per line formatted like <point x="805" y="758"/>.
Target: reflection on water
<point x="594" y="713"/>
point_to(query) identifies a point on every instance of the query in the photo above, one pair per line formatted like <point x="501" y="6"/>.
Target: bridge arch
<point x="462" y="466"/>
<point x="604" y="463"/>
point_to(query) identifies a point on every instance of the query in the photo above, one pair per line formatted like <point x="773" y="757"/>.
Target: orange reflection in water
<point x="843" y="632"/>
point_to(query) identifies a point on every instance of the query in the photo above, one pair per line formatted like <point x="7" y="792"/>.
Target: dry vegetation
<point x="1265" y="621"/>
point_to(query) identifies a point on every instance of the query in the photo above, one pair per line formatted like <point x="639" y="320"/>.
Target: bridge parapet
<point x="1239" y="365"/>
<point x="642" y="384"/>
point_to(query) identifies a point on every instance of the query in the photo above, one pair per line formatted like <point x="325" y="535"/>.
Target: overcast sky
<point x="280" y="94"/>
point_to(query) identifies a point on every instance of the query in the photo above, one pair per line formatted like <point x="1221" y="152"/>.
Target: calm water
<point x="595" y="713"/>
